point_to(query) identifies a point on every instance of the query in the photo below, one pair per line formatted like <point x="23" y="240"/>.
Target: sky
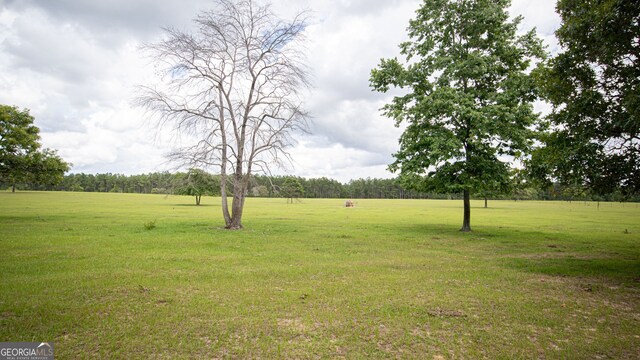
<point x="76" y="64"/>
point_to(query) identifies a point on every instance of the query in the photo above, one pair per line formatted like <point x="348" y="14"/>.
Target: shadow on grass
<point x="194" y="205"/>
<point x="620" y="269"/>
<point x="537" y="252"/>
<point x="479" y="231"/>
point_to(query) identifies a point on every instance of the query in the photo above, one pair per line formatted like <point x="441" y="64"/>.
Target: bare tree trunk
<point x="223" y="194"/>
<point x="237" y="206"/>
<point x="236" y="209"/>
<point x="466" y="222"/>
<point x="13" y="187"/>
<point x="198" y="199"/>
<point x="485" y="202"/>
<point x="223" y="164"/>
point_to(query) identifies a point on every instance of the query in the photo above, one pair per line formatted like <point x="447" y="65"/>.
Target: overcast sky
<point x="75" y="65"/>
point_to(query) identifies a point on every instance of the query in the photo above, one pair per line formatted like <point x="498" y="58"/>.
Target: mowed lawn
<point x="386" y="279"/>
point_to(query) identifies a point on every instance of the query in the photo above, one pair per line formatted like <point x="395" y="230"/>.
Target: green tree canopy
<point x="196" y="183"/>
<point x="21" y="159"/>
<point x="468" y="96"/>
<point x="594" y="87"/>
<point x="292" y="189"/>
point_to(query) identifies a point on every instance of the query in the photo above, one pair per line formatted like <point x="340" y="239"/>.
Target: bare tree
<point x="234" y="86"/>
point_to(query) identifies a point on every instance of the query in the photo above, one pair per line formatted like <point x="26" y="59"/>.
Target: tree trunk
<point x="466" y="222"/>
<point x="485" y="202"/>
<point x="237" y="205"/>
<point x="223" y="161"/>
<point x="223" y="195"/>
<point x="198" y="199"/>
<point x="13" y="187"/>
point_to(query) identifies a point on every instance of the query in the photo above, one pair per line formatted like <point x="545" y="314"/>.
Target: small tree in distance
<point x="292" y="189"/>
<point x="195" y="183"/>
<point x="234" y="86"/>
<point x="469" y="99"/>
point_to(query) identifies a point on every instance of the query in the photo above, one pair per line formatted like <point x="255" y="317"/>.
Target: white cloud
<point x="338" y="161"/>
<point x="110" y="142"/>
<point x="540" y="15"/>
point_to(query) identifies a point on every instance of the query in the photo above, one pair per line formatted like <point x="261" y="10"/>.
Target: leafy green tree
<point x="594" y="87"/>
<point x="46" y="168"/>
<point x="469" y="98"/>
<point x="21" y="159"/>
<point x="18" y="139"/>
<point x="292" y="189"/>
<point x="195" y="183"/>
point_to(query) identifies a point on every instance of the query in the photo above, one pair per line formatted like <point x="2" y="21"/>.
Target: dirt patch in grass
<point x="296" y="325"/>
<point x="7" y="315"/>
<point x="446" y="313"/>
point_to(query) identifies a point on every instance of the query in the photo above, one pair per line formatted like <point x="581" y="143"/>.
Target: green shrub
<point x="150" y="225"/>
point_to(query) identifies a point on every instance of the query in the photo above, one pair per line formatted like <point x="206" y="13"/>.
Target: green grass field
<point x="386" y="279"/>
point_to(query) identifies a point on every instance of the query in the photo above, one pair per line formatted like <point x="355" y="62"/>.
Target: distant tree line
<point x="198" y="183"/>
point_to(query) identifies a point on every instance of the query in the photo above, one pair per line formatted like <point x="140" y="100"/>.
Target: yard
<point x="153" y="276"/>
